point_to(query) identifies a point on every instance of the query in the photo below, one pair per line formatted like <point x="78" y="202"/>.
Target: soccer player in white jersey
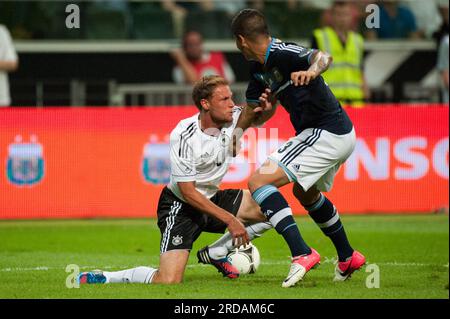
<point x="191" y="203"/>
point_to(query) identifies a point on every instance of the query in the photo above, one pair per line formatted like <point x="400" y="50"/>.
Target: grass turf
<point x="412" y="253"/>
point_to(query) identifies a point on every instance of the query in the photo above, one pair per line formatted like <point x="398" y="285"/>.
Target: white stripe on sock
<point x="280" y="215"/>
<point x="333" y="220"/>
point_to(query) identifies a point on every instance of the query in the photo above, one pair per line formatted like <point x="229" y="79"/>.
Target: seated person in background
<point x="193" y="62"/>
<point x="396" y="22"/>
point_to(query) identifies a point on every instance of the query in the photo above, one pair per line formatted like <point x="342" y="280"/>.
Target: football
<point x="245" y="259"/>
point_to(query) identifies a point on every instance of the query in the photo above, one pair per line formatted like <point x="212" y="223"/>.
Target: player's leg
<point x="138" y="275"/>
<point x="250" y="214"/>
<point x="141" y="275"/>
<point x="172" y="265"/>
<point x="177" y="232"/>
<point x="263" y="185"/>
<point x="326" y="216"/>
<point x="231" y="200"/>
<point x="317" y="169"/>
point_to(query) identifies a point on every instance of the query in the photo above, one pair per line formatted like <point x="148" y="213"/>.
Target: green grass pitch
<point x="411" y="252"/>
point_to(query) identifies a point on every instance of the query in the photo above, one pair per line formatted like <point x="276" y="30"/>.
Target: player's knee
<point x="173" y="281"/>
<point x="170" y="279"/>
<point x="167" y="277"/>
<point x="254" y="182"/>
<point x="305" y="198"/>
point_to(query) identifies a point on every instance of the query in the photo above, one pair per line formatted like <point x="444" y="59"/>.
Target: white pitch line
<point x="270" y="262"/>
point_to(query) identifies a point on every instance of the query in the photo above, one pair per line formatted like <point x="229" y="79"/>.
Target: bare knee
<point x="173" y="280"/>
<point x="168" y="279"/>
<point x="255" y="182"/>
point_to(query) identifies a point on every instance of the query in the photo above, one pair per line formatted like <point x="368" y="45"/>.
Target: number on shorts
<point x="284" y="147"/>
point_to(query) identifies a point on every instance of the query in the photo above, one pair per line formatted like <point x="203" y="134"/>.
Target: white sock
<point x="143" y="275"/>
<point x="224" y="244"/>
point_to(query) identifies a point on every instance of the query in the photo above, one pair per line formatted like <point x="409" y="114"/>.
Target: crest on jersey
<point x="177" y="240"/>
<point x="156" y="162"/>
<point x="277" y="75"/>
<point x="25" y="164"/>
<point x="270" y="79"/>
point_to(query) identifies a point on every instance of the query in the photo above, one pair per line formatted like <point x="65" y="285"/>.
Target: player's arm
<point x="319" y="63"/>
<point x="268" y="106"/>
<point x="254" y="114"/>
<point x="197" y="200"/>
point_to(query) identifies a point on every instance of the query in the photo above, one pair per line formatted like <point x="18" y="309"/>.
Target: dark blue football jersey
<point x="309" y="106"/>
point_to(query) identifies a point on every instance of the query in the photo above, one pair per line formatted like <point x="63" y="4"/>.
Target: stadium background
<point x="92" y="108"/>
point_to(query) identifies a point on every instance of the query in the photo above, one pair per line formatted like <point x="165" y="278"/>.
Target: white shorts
<point x="314" y="157"/>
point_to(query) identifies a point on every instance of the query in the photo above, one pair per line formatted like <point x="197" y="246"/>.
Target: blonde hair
<point x="204" y="88"/>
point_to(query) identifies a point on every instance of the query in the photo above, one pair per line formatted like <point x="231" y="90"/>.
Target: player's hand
<point x="238" y="232"/>
<point x="266" y="102"/>
<point x="303" y="77"/>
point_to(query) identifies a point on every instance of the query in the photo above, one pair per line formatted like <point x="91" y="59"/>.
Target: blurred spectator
<point x="396" y="22"/>
<point x="442" y="67"/>
<point x="180" y="9"/>
<point x="193" y="63"/>
<point x="355" y="12"/>
<point x="427" y="16"/>
<point x="443" y="30"/>
<point x="8" y="63"/>
<point x="315" y="4"/>
<point x="345" y="75"/>
<point x="229" y="7"/>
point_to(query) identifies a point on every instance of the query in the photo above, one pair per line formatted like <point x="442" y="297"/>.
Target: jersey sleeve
<point x="300" y="58"/>
<point x="182" y="162"/>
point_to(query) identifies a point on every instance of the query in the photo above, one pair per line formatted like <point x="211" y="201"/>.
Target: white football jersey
<point x="200" y="157"/>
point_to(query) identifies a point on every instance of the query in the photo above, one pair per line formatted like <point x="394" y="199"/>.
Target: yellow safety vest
<point x="344" y="76"/>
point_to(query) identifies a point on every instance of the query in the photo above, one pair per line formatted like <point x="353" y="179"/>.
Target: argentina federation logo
<point x="156" y="162"/>
<point x="177" y="240"/>
<point x="25" y="163"/>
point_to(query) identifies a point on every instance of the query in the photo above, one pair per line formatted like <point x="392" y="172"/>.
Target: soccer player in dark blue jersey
<point x="325" y="138"/>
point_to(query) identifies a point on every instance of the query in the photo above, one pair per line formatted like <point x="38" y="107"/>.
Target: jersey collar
<point x="266" y="57"/>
